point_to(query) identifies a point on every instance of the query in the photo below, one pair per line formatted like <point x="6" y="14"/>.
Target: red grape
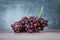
<point x="30" y="30"/>
<point x="31" y="24"/>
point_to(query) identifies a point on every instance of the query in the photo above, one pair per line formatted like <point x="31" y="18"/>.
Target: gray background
<point x="13" y="10"/>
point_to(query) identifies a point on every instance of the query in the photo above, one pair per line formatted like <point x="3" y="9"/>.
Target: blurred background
<point x="13" y="10"/>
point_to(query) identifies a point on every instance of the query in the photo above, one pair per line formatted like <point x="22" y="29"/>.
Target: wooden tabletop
<point x="45" y="35"/>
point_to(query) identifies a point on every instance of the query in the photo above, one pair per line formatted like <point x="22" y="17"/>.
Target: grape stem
<point x="40" y="13"/>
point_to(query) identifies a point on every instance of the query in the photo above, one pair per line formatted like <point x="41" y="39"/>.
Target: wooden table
<point x="45" y="35"/>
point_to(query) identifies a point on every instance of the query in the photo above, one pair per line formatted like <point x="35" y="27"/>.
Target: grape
<point x="12" y="26"/>
<point x="22" y="22"/>
<point x="35" y="25"/>
<point x="39" y="28"/>
<point x="31" y="24"/>
<point x="29" y="30"/>
<point x="36" y="30"/>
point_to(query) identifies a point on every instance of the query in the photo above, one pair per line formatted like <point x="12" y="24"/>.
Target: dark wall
<point x="12" y="11"/>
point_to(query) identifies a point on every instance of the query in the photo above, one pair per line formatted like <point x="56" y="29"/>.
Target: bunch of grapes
<point x="31" y="24"/>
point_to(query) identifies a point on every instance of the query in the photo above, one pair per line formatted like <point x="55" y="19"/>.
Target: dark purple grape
<point x="31" y="24"/>
<point x="30" y="30"/>
<point x="12" y="25"/>
<point x="38" y="28"/>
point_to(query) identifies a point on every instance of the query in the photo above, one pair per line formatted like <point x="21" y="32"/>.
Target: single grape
<point x="29" y="30"/>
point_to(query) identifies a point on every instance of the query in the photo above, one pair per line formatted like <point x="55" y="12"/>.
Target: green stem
<point x="40" y="13"/>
